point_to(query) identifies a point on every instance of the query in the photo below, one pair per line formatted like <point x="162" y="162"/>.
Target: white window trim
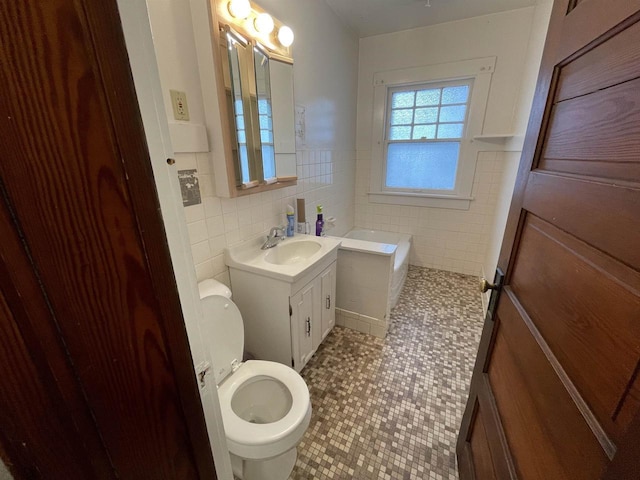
<point x="481" y="71"/>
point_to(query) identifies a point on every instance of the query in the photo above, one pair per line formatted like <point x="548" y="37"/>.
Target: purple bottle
<point x="319" y="222"/>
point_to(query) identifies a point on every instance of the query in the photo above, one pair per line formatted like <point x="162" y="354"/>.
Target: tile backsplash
<point x="325" y="177"/>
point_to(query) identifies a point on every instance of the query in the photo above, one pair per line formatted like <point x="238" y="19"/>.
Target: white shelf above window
<point x="495" y="136"/>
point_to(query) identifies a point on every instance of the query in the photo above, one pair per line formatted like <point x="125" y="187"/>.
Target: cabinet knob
<point x="328" y="302"/>
<point x="308" y="326"/>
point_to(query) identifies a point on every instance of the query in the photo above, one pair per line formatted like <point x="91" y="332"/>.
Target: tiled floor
<point x="391" y="408"/>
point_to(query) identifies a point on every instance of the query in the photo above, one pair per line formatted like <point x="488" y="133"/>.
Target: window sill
<point x="455" y="202"/>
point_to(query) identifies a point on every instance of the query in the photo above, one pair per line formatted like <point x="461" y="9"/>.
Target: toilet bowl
<point x="265" y="406"/>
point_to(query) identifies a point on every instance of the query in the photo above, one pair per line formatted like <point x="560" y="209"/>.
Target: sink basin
<point x="291" y="260"/>
<point x="291" y="253"/>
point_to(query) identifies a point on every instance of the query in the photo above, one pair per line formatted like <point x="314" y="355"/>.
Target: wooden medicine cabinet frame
<point x="222" y="25"/>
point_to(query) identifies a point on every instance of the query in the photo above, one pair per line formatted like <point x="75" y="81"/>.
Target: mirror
<point x="265" y="116"/>
<point x="260" y="110"/>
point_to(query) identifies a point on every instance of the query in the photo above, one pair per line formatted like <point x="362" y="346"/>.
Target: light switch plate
<point x="180" y="107"/>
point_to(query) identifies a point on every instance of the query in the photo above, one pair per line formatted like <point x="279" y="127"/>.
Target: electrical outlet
<point x="180" y="107"/>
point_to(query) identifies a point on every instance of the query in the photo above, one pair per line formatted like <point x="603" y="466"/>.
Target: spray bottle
<point x="319" y="222"/>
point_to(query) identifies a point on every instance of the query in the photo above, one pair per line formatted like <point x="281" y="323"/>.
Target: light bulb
<point x="239" y="8"/>
<point x="285" y="36"/>
<point x="264" y="23"/>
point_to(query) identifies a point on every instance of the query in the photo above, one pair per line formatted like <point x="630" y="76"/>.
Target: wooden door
<point x="555" y="392"/>
<point x="96" y="376"/>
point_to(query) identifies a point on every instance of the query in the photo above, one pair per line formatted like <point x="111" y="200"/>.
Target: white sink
<point x="288" y="261"/>
<point x="290" y="253"/>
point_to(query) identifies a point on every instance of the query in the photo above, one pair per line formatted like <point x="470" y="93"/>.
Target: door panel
<point x="545" y="430"/>
<point x="561" y="348"/>
<point x="328" y="293"/>
<point x="610" y="63"/>
<point x="597" y="342"/>
<point x="586" y="210"/>
<point x="482" y="458"/>
<point x="602" y="126"/>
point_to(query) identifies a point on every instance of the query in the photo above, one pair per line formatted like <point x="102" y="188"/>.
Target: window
<point x="424" y="127"/>
<point x="266" y="138"/>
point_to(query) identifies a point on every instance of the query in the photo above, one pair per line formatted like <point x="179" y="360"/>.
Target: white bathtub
<point x="372" y="269"/>
<point x="401" y="262"/>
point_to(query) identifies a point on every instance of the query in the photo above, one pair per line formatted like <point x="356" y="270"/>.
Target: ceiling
<point x="373" y="17"/>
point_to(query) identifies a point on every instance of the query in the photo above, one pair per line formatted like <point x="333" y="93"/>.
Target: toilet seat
<point x="259" y="441"/>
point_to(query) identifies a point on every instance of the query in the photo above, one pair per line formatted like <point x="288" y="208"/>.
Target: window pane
<point x="402" y="117"/>
<point x="266" y="136"/>
<point x="242" y="138"/>
<point x="426" y="115"/>
<point x="455" y="94"/>
<point x="429" y="166"/>
<point x="402" y="99"/>
<point x="265" y="122"/>
<point x="452" y="114"/>
<point x="428" y="97"/>
<point x="424" y="131"/>
<point x="264" y="107"/>
<point x="450" y="130"/>
<point x="400" y="133"/>
<point x="268" y="161"/>
<point x="240" y="122"/>
<point x="244" y="164"/>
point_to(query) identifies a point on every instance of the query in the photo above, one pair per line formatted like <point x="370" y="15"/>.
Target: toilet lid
<point x="223" y="333"/>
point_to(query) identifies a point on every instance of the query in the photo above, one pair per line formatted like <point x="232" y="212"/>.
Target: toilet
<point x="265" y="406"/>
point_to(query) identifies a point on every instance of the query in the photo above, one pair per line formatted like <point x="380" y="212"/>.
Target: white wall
<point x="325" y="83"/>
<point x="454" y="240"/>
<point x="4" y="473"/>
<point x="510" y="159"/>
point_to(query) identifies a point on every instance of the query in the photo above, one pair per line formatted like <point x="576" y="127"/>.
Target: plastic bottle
<point x="290" y="224"/>
<point x="319" y="222"/>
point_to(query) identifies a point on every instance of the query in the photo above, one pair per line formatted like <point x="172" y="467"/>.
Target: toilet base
<point x="276" y="468"/>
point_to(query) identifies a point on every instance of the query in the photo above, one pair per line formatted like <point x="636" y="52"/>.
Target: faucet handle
<point x="279" y="228"/>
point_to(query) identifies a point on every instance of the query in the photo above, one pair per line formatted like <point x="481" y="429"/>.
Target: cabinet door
<point x="328" y="295"/>
<point x="302" y="325"/>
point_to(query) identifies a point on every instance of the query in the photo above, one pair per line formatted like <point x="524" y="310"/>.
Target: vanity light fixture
<point x="240" y="9"/>
<point x="264" y="23"/>
<point x="285" y="36"/>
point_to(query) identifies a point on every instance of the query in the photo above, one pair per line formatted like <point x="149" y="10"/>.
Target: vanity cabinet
<point x="286" y="322"/>
<point x="313" y="315"/>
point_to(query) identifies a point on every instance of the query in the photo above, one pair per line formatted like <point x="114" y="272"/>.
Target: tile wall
<point x="325" y="177"/>
<point x="444" y="239"/>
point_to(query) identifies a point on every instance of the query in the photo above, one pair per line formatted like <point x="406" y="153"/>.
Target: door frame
<point x="141" y="132"/>
<point x="146" y="77"/>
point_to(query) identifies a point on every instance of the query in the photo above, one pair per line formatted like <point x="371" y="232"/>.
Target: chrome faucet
<point x="274" y="239"/>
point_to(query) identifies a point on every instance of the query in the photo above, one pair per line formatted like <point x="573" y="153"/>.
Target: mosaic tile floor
<point x="391" y="408"/>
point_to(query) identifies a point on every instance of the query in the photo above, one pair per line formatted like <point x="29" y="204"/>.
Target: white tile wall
<point x="325" y="177"/>
<point x="453" y="240"/>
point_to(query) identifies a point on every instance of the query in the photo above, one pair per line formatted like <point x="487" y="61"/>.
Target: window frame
<point x="460" y="140"/>
<point x="479" y="72"/>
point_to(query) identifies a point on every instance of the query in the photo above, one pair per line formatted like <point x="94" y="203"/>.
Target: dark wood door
<point x="555" y="392"/>
<point x="96" y="376"/>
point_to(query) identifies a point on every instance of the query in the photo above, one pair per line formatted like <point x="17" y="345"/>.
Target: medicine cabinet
<point x="255" y="91"/>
